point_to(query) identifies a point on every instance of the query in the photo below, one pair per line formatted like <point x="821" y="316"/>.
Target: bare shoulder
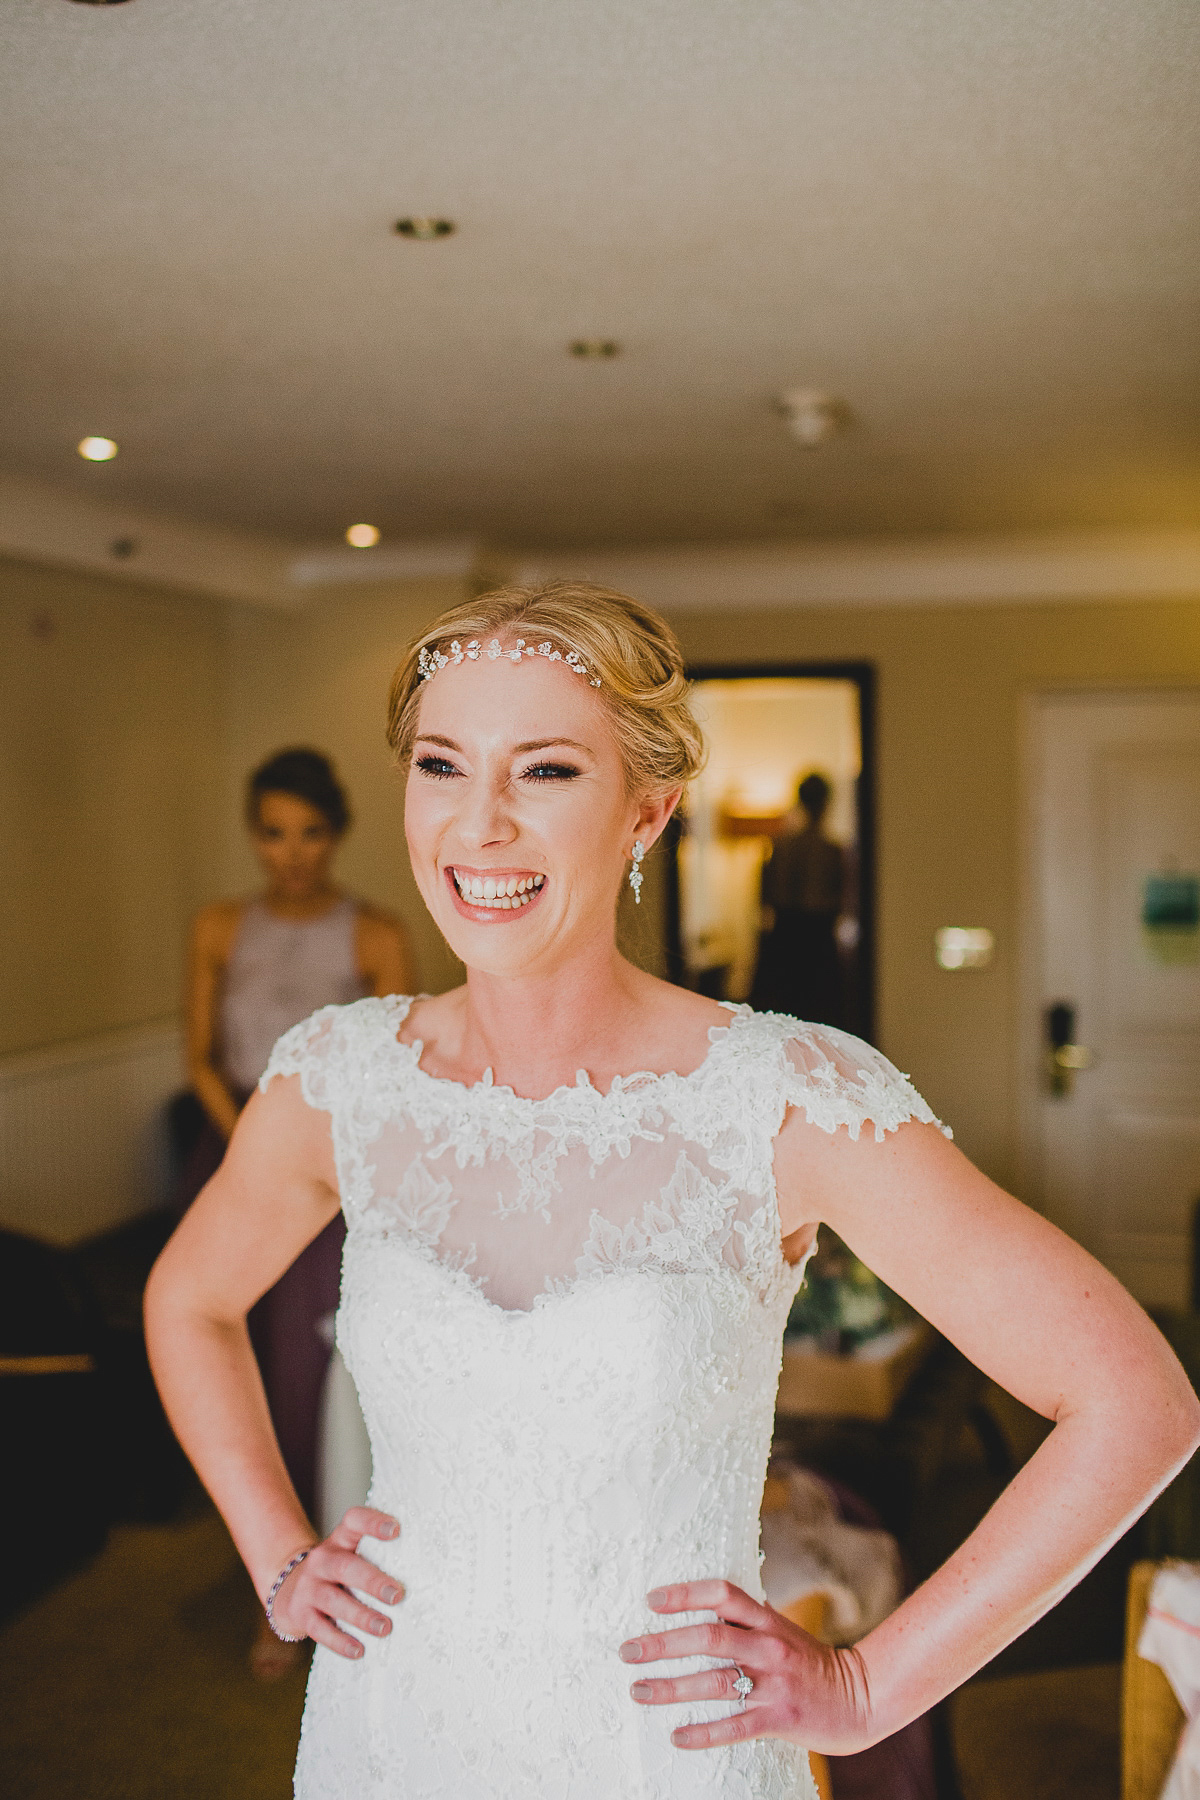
<point x="835" y="1177"/>
<point x="278" y="1121"/>
<point x="215" y="926"/>
<point x="431" y="1015"/>
<point x="377" y="927"/>
<point x="675" y="1023"/>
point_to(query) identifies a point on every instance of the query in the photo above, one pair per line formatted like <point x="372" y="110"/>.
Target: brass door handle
<point x="1064" y="1057"/>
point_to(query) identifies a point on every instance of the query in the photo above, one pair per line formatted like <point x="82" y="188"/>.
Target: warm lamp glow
<point x="97" y="449"/>
<point x="363" y="537"/>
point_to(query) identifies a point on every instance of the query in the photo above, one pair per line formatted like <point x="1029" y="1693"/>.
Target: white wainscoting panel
<point x="83" y="1142"/>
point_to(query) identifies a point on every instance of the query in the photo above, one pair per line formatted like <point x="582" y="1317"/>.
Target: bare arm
<point x="274" y="1192"/>
<point x="1045" y="1321"/>
<point x="384" y="957"/>
<point x="209" y="945"/>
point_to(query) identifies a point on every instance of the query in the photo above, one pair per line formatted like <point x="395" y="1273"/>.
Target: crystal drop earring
<point x="635" y="874"/>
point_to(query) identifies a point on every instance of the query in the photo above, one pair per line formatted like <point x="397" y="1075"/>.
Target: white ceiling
<point x="978" y="221"/>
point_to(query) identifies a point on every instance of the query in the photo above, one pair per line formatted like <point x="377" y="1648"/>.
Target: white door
<point x="1114" y="903"/>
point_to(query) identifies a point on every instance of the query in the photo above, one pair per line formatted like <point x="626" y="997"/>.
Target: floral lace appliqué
<point x="564" y="1318"/>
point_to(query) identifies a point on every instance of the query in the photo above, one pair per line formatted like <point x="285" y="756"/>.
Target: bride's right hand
<point x="319" y="1593"/>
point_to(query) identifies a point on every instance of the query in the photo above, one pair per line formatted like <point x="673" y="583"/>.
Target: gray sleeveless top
<point x="279" y="971"/>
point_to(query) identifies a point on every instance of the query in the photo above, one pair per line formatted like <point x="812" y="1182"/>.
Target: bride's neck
<point x="537" y="1031"/>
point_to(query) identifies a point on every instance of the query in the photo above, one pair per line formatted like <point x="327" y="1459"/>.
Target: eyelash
<point x="440" y="769"/>
<point x="551" y="772"/>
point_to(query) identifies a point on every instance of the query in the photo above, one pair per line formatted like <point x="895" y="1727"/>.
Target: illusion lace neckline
<point x="640" y="1081"/>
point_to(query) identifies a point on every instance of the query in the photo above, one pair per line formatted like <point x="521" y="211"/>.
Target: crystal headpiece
<point x="430" y="661"/>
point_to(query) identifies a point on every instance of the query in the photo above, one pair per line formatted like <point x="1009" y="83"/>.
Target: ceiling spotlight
<point x="425" y="229"/>
<point x="595" y="348"/>
<point x="363" y="537"/>
<point x="812" y="417"/>
<point x="96" y="449"/>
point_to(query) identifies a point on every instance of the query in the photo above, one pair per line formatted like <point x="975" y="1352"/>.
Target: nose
<point x="484" y="820"/>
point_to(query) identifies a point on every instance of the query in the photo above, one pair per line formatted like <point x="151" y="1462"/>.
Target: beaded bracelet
<point x="283" y="1636"/>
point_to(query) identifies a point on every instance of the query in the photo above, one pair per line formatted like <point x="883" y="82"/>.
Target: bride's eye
<point x="551" y="771"/>
<point x="438" y="767"/>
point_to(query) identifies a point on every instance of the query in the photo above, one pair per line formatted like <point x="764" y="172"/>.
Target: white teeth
<point x="503" y="894"/>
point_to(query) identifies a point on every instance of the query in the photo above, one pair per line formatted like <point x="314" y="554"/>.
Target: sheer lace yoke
<point x="487" y="1082"/>
<point x="520" y="1201"/>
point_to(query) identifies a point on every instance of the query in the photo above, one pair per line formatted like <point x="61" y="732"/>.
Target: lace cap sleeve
<point x="837" y="1079"/>
<point x="307" y="1050"/>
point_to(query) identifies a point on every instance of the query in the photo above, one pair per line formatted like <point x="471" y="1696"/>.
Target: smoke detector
<point x="812" y="416"/>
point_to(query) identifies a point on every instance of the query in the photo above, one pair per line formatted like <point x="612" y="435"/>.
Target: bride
<point x="579" y="1202"/>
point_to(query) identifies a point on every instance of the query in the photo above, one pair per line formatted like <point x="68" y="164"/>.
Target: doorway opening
<point x="770" y="891"/>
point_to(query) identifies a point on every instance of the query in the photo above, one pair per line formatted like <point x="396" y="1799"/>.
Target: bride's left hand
<point x="805" y="1691"/>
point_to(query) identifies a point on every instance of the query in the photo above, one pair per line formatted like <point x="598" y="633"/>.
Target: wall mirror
<point x="770" y="866"/>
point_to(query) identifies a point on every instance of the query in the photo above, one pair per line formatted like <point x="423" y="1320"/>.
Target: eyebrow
<point x="433" y="737"/>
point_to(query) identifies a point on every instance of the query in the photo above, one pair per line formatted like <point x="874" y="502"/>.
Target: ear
<point x="653" y="816"/>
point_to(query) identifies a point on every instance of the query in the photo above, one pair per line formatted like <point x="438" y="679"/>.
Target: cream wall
<point x="112" y="724"/>
<point x="951" y="681"/>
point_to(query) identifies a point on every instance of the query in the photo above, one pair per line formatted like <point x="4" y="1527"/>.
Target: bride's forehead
<point x="535" y="699"/>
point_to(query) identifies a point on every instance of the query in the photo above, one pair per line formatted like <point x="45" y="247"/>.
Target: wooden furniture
<point x="865" y="1384"/>
<point x="1151" y="1717"/>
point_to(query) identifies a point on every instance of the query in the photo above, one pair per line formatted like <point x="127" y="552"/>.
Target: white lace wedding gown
<point x="564" y="1318"/>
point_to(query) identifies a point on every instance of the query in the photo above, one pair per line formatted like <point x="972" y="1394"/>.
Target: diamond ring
<point x="743" y="1687"/>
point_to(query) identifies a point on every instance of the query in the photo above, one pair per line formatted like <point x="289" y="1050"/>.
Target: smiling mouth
<point x="495" y="891"/>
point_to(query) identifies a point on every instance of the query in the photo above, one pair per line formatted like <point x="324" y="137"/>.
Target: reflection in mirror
<point x="772" y="886"/>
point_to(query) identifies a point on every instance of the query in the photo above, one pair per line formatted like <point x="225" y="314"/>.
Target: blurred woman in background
<point x="804" y="893"/>
<point x="256" y="967"/>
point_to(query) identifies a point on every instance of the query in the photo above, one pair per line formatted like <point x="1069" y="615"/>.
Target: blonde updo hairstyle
<point x="628" y="646"/>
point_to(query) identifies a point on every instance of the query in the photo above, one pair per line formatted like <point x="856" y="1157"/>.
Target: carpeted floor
<point x="1051" y="1735"/>
<point x="130" y="1682"/>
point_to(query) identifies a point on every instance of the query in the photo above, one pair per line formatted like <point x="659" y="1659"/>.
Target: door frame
<point x="863" y="675"/>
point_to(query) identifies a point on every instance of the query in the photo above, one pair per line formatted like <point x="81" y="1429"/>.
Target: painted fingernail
<point x="640" y="1690"/>
<point x="657" y="1597"/>
<point x="391" y="1595"/>
<point x="631" y="1652"/>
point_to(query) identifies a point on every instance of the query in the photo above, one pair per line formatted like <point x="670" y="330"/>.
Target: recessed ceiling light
<point x="812" y="417"/>
<point x="363" y="537"/>
<point x="425" y="229"/>
<point x="595" y="348"/>
<point x="101" y="2"/>
<point x="96" y="449"/>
